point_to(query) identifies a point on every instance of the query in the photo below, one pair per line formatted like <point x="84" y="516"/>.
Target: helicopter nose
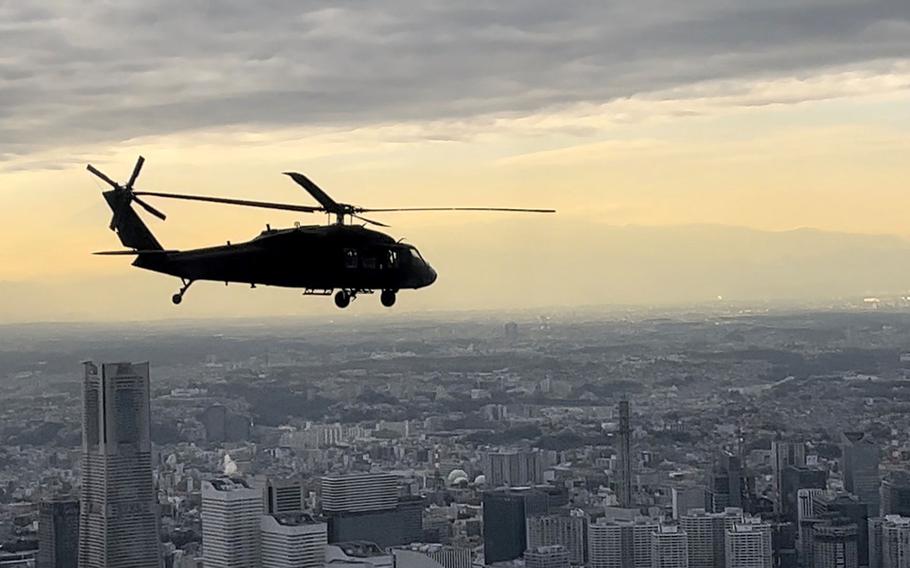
<point x="431" y="275"/>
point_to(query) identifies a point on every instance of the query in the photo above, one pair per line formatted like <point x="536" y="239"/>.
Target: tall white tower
<point x="749" y="545"/>
<point x="231" y="517"/>
<point x="118" y="518"/>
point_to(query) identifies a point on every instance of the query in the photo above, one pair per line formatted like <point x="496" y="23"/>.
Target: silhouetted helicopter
<point x="318" y="258"/>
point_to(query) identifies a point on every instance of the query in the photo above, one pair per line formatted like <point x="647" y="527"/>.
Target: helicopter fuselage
<point x="346" y="257"/>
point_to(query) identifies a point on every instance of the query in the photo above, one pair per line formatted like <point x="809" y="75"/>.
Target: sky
<point x="693" y="150"/>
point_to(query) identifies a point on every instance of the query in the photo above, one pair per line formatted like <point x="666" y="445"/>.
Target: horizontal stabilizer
<point x="132" y="252"/>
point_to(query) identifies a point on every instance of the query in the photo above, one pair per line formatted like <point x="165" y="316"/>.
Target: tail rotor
<point x="125" y="192"/>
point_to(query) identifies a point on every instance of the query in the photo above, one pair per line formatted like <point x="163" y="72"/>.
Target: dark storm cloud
<point x="103" y="71"/>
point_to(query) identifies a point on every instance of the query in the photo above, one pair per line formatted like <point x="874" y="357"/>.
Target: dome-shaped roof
<point x="480" y="480"/>
<point x="455" y="476"/>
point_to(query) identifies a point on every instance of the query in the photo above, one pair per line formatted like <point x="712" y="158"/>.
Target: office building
<point x="895" y="494"/>
<point x="505" y="514"/>
<point x="889" y="542"/>
<point x="860" y="458"/>
<point x="624" y="473"/>
<point x="293" y="540"/>
<point x="359" y="492"/>
<point x="793" y="479"/>
<point x="748" y="545"/>
<point x="513" y="468"/>
<point x="783" y="455"/>
<point x="687" y="498"/>
<point x="567" y="530"/>
<point x="620" y="543"/>
<point x="118" y="517"/>
<point x="231" y="523"/>
<point x="283" y="496"/>
<point x="58" y="533"/>
<point x="400" y="525"/>
<point x="806" y="519"/>
<point x="358" y="554"/>
<point x="669" y="548"/>
<point x="554" y="556"/>
<point x="834" y="544"/>
<point x="444" y="555"/>
<point x="846" y="506"/>
<point x="706" y="533"/>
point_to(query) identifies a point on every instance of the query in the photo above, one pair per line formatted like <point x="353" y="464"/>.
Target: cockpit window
<point x="415" y="254"/>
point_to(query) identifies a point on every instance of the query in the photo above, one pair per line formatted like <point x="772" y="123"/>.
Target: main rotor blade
<point x="150" y="209"/>
<point x="322" y="197"/>
<point x="98" y="173"/>
<point x="506" y="209"/>
<point x="229" y="201"/>
<point x="370" y="221"/>
<point x="136" y="171"/>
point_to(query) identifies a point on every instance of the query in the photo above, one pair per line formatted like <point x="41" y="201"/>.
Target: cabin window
<point x="369" y="262"/>
<point x="393" y="258"/>
<point x="350" y="258"/>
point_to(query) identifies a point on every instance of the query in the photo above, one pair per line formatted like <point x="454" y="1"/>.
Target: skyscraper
<point x="58" y="533"/>
<point x="231" y="523"/>
<point x="748" y="545"/>
<point x="359" y="492"/>
<point x="505" y="514"/>
<point x="620" y="543"/>
<point x="283" y="496"/>
<point x="895" y="494"/>
<point x="783" y="455"/>
<point x="513" y="468"/>
<point x="686" y="498"/>
<point x="118" y="519"/>
<point x="859" y="462"/>
<point x="889" y="542"/>
<point x="706" y="533"/>
<point x="669" y="548"/>
<point x="793" y="479"/>
<point x="624" y="485"/>
<point x="554" y="556"/>
<point x="293" y="540"/>
<point x="567" y="530"/>
<point x="834" y="544"/>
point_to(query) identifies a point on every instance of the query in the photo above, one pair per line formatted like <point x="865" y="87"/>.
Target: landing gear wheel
<point x="387" y="298"/>
<point x="342" y="299"/>
<point x="177" y="298"/>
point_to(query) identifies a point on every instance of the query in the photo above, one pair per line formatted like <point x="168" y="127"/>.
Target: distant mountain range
<point x="537" y="263"/>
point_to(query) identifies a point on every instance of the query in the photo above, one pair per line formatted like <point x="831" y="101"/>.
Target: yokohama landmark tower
<point x="118" y="522"/>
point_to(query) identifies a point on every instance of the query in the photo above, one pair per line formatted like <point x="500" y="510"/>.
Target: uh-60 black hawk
<point x="320" y="259"/>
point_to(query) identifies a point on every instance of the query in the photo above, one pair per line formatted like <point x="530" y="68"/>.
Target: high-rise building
<point x="58" y="533"/>
<point x="783" y="455"/>
<point x="505" y="514"/>
<point x="729" y="484"/>
<point x="620" y="543"/>
<point x="293" y="540"/>
<point x="624" y="477"/>
<point x="859" y="462"/>
<point x="513" y="468"/>
<point x="889" y="542"/>
<point x="359" y="492"/>
<point x="834" y="545"/>
<point x="748" y="545"/>
<point x="553" y="556"/>
<point x="118" y="517"/>
<point x="793" y="479"/>
<point x="895" y="494"/>
<point x="806" y="519"/>
<point x="400" y="525"/>
<point x="687" y="498"/>
<point x="283" y="496"/>
<point x="827" y="505"/>
<point x="231" y="523"/>
<point x="669" y="548"/>
<point x="706" y="533"/>
<point x="566" y="529"/>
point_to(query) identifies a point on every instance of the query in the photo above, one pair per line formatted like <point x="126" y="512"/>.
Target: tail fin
<point x="133" y="232"/>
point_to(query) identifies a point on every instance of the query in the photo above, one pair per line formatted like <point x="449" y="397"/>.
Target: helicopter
<point x="343" y="258"/>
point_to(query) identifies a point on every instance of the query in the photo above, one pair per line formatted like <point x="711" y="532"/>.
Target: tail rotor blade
<point x="98" y="173"/>
<point x="150" y="209"/>
<point x="136" y="170"/>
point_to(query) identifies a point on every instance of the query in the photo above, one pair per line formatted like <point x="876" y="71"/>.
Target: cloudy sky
<point x="771" y="116"/>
